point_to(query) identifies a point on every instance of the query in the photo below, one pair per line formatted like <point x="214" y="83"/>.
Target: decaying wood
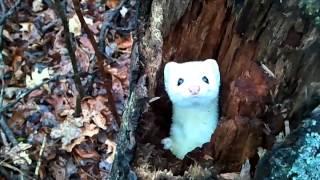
<point x="268" y="53"/>
<point x="298" y="157"/>
<point x="125" y="138"/>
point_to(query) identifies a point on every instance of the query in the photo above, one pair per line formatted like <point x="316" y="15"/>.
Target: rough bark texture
<point x="298" y="157"/>
<point x="121" y="168"/>
<point x="268" y="52"/>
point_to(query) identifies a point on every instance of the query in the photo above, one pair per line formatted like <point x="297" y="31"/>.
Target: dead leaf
<point x="112" y="3"/>
<point x="75" y="25"/>
<point x="29" y="32"/>
<point x="37" y="77"/>
<point x="96" y="117"/>
<point x="123" y="11"/>
<point x="124" y="43"/>
<point x="37" y="5"/>
<point x="111" y="150"/>
<point x="230" y="176"/>
<point x="6" y="34"/>
<point x="26" y="26"/>
<point x="17" y="120"/>
<point x="86" y="43"/>
<point x="60" y="104"/>
<point x="89" y="21"/>
<point x="18" y="154"/>
<point x="94" y="109"/>
<point x="11" y="92"/>
<point x="83" y="59"/>
<point x="88" y="131"/>
<point x="87" y="154"/>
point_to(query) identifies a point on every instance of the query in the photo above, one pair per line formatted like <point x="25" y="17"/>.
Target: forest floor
<point x="39" y="94"/>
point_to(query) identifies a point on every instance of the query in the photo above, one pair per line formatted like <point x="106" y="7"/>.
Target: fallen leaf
<point x="26" y="26"/>
<point x="37" y="77"/>
<point x="87" y="154"/>
<point x="86" y="43"/>
<point x="75" y="25"/>
<point x="123" y="11"/>
<point x="110" y="49"/>
<point x="17" y="120"/>
<point x="29" y="32"/>
<point x="11" y="92"/>
<point x="18" y="154"/>
<point x="89" y="21"/>
<point x="230" y="176"/>
<point x="94" y="109"/>
<point x="124" y="42"/>
<point x="112" y="3"/>
<point x="88" y="131"/>
<point x="111" y="150"/>
<point x="96" y="117"/>
<point x="6" y="34"/>
<point x="37" y="5"/>
<point x="83" y="59"/>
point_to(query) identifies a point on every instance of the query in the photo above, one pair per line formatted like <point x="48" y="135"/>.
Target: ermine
<point x="193" y="88"/>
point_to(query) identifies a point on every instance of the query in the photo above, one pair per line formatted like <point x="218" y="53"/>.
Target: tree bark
<point x="298" y="157"/>
<point x="268" y="52"/>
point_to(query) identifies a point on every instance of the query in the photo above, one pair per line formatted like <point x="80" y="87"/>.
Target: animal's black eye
<point x="205" y="79"/>
<point x="180" y="81"/>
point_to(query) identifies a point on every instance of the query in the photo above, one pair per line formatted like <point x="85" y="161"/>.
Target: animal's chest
<point x="194" y="128"/>
<point x="196" y="124"/>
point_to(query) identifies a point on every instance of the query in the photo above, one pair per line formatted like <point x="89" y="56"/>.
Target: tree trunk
<point x="268" y="52"/>
<point x="298" y="157"/>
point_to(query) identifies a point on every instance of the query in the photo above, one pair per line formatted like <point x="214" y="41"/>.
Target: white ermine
<point x="193" y="88"/>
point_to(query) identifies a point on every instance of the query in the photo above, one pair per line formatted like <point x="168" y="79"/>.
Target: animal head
<point x="192" y="83"/>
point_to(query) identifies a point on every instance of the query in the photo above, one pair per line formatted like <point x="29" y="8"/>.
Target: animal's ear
<point x="168" y="69"/>
<point x="211" y="63"/>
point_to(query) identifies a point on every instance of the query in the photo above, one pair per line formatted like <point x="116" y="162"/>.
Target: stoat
<point x="193" y="88"/>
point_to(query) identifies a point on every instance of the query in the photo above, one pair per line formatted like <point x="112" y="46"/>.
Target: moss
<point x="298" y="157"/>
<point x="311" y="8"/>
<point x="308" y="161"/>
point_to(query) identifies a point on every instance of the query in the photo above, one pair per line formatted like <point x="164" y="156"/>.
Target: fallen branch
<point x="60" y="11"/>
<point x="107" y="24"/>
<point x="4" y="16"/>
<point x="4" y="126"/>
<point x="36" y="173"/>
<point x="7" y="131"/>
<point x="126" y="137"/>
<point x="28" y="91"/>
<point x="100" y="61"/>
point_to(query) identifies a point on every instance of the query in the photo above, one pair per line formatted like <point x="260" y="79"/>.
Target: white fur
<point x="194" y="117"/>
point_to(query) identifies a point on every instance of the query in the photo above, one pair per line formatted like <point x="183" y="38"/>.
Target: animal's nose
<point x="194" y="90"/>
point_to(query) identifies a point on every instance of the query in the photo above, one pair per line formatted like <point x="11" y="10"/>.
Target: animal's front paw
<point x="167" y="143"/>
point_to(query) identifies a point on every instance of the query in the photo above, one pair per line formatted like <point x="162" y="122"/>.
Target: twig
<point x="100" y="61"/>
<point x="4" y="126"/>
<point x="60" y="11"/>
<point x="3" y="7"/>
<point x="56" y="78"/>
<point x="4" y="17"/>
<point x="3" y="123"/>
<point x="4" y="173"/>
<point x="36" y="173"/>
<point x="4" y="139"/>
<point x="4" y="164"/>
<point x="22" y="174"/>
<point x="7" y="130"/>
<point x="2" y="81"/>
<point x="107" y="24"/>
<point x="18" y="99"/>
